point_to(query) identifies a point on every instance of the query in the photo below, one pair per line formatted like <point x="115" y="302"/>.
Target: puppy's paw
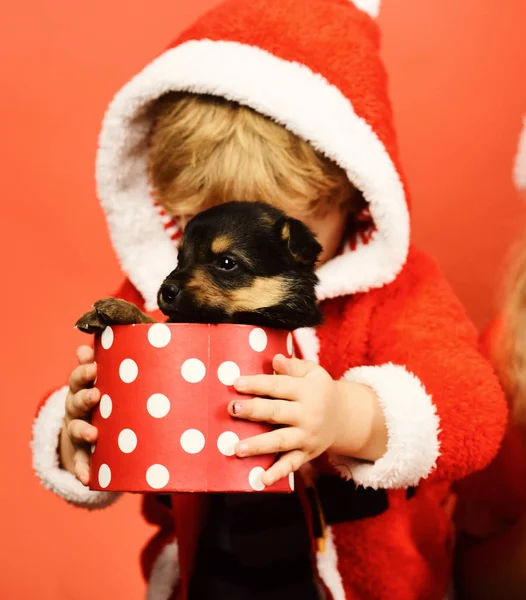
<point x="91" y="322"/>
<point x="111" y="311"/>
<point x="118" y="312"/>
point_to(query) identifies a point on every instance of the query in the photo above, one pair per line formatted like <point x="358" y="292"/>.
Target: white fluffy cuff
<point x="412" y="429"/>
<point x="46" y="431"/>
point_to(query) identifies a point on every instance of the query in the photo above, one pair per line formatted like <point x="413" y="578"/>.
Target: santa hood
<point x="312" y="66"/>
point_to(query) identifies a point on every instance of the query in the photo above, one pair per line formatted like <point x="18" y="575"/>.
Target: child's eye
<point x="226" y="263"/>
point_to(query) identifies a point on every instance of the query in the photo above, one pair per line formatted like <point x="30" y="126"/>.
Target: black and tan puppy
<point x="239" y="262"/>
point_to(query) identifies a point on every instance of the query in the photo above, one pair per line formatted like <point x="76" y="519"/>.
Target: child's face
<point x="328" y="229"/>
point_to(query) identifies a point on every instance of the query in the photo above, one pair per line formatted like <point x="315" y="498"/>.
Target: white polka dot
<point x="192" y="441"/>
<point x="290" y="345"/>
<point x="193" y="370"/>
<point x="157" y="476"/>
<point x="104" y="476"/>
<point x="105" y="406"/>
<point x="257" y="340"/>
<point x="106" y="339"/>
<point x="93" y="446"/>
<point x="128" y="370"/>
<point x="254" y="479"/>
<point x="158" y="405"/>
<point x="291" y="481"/>
<point x="228" y="372"/>
<point x="127" y="441"/>
<point x="159" y="335"/>
<point x="226" y="442"/>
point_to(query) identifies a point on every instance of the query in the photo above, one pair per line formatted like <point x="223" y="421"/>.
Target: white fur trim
<point x="371" y="7"/>
<point x="412" y="424"/>
<point x="46" y="431"/>
<point x="308" y="343"/>
<point x="165" y="573"/>
<point x="291" y="94"/>
<point x="519" y="168"/>
<point x="328" y="568"/>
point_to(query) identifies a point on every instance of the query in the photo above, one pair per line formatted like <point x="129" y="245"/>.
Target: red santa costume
<point x="391" y="320"/>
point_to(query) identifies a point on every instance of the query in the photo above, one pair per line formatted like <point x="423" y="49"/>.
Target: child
<point x="491" y="511"/>
<point x="285" y="101"/>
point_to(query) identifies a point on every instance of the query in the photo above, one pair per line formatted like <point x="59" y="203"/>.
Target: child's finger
<point x="82" y="432"/>
<point x="82" y="403"/>
<point x="274" y="386"/>
<point x="288" y="463"/>
<point x="294" y="367"/>
<point x="277" y="412"/>
<point x="82" y="376"/>
<point x="278" y="441"/>
<point x="81" y="465"/>
<point x="85" y="354"/>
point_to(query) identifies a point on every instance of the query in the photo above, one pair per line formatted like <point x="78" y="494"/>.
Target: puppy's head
<point x="244" y="262"/>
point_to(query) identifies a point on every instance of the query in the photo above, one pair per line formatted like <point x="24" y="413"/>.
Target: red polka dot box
<point x="162" y="419"/>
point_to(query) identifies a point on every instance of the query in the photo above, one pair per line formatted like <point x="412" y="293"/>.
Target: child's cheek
<point x="182" y="221"/>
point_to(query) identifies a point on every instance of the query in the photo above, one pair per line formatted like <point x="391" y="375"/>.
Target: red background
<point x="458" y="86"/>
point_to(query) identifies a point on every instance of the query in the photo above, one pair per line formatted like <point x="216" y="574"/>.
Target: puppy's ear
<point x="299" y="240"/>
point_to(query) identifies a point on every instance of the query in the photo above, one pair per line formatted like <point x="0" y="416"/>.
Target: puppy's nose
<point x="169" y="292"/>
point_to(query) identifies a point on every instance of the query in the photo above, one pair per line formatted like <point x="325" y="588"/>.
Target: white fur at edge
<point x="273" y="87"/>
<point x="371" y="7"/>
<point x="328" y="568"/>
<point x="413" y="427"/>
<point x="165" y="573"/>
<point x="519" y="167"/>
<point x="308" y="343"/>
<point x="46" y="431"/>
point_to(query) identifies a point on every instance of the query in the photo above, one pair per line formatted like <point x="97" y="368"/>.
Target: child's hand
<point x="77" y="433"/>
<point x="318" y="412"/>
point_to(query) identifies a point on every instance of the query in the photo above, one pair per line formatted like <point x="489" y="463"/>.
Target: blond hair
<point x="206" y="150"/>
<point x="511" y="343"/>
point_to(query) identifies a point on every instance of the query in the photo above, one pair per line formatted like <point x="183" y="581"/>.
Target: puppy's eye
<point x="226" y="263"/>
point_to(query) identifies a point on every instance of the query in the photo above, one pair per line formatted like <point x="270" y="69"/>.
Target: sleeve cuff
<point x="46" y="431"/>
<point x="413" y="427"/>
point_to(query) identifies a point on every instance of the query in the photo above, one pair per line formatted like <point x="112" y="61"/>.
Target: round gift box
<point x="162" y="419"/>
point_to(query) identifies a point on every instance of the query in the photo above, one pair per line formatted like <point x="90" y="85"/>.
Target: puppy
<point x="239" y="262"/>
